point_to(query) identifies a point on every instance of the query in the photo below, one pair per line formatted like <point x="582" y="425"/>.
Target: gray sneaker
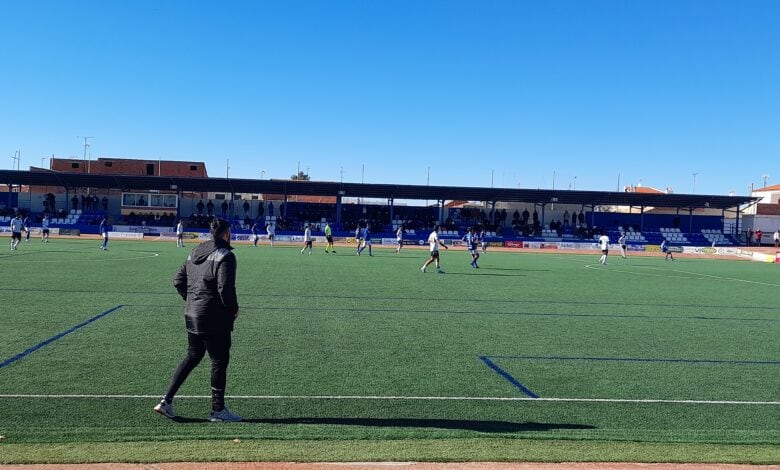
<point x="224" y="415"/>
<point x="165" y="409"/>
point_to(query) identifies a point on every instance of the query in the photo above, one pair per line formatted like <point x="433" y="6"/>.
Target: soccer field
<point x="335" y="349"/>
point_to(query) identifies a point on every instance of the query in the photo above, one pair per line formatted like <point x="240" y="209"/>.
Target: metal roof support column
<point x="690" y="220"/>
<point x="178" y="206"/>
<point x="642" y="219"/>
<point x="392" y="214"/>
<point x="541" y="220"/>
<point x="338" y="209"/>
<point x="736" y="224"/>
<point x="440" y="202"/>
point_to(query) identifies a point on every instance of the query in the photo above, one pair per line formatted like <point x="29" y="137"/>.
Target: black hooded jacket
<point x="207" y="282"/>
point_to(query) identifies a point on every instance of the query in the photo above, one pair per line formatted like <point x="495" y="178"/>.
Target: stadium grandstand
<point x="149" y="197"/>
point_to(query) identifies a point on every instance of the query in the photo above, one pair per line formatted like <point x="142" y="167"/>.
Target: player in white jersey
<point x="622" y="243"/>
<point x="435" y="243"/>
<point x="271" y="231"/>
<point x="306" y="239"/>
<point x="399" y="236"/>
<point x="16" y="231"/>
<point x="180" y="234"/>
<point x="604" y="245"/>
<point x="45" y="229"/>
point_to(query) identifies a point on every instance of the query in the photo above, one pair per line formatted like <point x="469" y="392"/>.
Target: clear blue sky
<point x="648" y="90"/>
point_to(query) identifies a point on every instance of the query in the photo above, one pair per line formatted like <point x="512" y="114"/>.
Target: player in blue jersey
<point x="104" y="233"/>
<point x="365" y="235"/>
<point x="472" y="244"/>
<point x="665" y="250"/>
<point x="255" y="233"/>
<point x="26" y="224"/>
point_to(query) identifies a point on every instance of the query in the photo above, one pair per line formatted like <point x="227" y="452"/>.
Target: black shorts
<point x="270" y="237"/>
<point x="435" y="254"/>
<point x="606" y="252"/>
<point x="16" y="235"/>
<point x="45" y="231"/>
<point x="308" y="243"/>
<point x="623" y="246"/>
<point x="179" y="236"/>
<point x="329" y="238"/>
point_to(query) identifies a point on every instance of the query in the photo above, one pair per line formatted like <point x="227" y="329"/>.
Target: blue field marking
<point x="507" y="376"/>
<point x="636" y="359"/>
<point x="54" y="338"/>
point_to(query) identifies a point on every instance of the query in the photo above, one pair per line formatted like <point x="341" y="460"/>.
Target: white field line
<point x="400" y="398"/>
<point x="691" y="275"/>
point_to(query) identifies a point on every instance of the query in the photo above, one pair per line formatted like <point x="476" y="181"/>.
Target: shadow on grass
<point x="455" y="424"/>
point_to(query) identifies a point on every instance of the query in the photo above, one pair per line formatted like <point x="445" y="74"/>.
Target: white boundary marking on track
<point x="692" y="275"/>
<point x="400" y="398"/>
<point x="150" y="254"/>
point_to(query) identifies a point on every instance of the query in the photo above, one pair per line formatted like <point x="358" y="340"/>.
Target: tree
<point x="301" y="176"/>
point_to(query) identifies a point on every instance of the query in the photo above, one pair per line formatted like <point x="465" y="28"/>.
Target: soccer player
<point x="365" y="234"/>
<point x="271" y="231"/>
<point x="16" y="231"/>
<point x="399" y="236"/>
<point x="329" y="238"/>
<point x="622" y="243"/>
<point x="207" y="283"/>
<point x="434" y="242"/>
<point x="26" y="224"/>
<point x="104" y="233"/>
<point x="665" y="249"/>
<point x="45" y="229"/>
<point x="604" y="245"/>
<point x="306" y="239"/>
<point x="255" y="233"/>
<point x="180" y="234"/>
<point x="483" y="240"/>
<point x="472" y="244"/>
<point x="358" y="238"/>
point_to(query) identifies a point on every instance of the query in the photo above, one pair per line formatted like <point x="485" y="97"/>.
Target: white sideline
<point x="399" y="398"/>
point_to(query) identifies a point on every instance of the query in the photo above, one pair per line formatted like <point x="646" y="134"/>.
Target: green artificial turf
<point x="373" y="357"/>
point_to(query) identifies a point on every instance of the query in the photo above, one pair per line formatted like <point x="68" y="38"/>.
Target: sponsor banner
<point x="406" y="241"/>
<point x="168" y="235"/>
<point x="389" y="241"/>
<point x="777" y="257"/>
<point x="296" y="238"/>
<point x="340" y="239"/>
<point x="568" y="246"/>
<point x="70" y="231"/>
<point x="653" y="248"/>
<point x="635" y="248"/>
<point x="513" y="244"/>
<point x="132" y="235"/>
<point x="285" y="238"/>
<point x="458" y="243"/>
<point x="39" y="230"/>
<point x="699" y="250"/>
<point x="764" y="257"/>
<point x="204" y="236"/>
<point x="496" y="244"/>
<point x="549" y="246"/>
<point x="536" y="245"/>
<point x="141" y="228"/>
<point x="241" y="237"/>
<point x="675" y="249"/>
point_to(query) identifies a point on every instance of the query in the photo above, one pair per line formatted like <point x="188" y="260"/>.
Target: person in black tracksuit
<point x="207" y="283"/>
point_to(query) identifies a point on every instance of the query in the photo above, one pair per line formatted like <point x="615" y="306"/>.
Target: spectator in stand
<point x="759" y="234"/>
<point x="105" y="203"/>
<point x="200" y="207"/>
<point x="246" y="208"/>
<point x="581" y="218"/>
<point x="260" y="210"/>
<point x="749" y="237"/>
<point x="566" y="218"/>
<point x="74" y="202"/>
<point x="210" y="208"/>
<point x="526" y="215"/>
<point x="224" y="208"/>
<point x="271" y="209"/>
<point x="777" y="238"/>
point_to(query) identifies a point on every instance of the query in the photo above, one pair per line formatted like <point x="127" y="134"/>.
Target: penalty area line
<point x="402" y="398"/>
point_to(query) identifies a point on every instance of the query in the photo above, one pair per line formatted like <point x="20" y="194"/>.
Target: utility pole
<point x="694" y="182"/>
<point x="227" y="169"/>
<point x="17" y="158"/>
<point x="86" y="146"/>
<point x="766" y="177"/>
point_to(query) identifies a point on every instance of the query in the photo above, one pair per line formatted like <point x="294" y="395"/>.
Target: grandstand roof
<point x="381" y="191"/>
